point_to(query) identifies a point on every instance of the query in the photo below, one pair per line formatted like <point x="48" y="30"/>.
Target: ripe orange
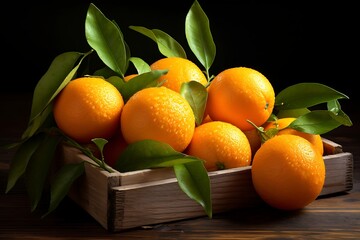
<point x="254" y="139"/>
<point x="221" y="145"/>
<point x="114" y="148"/>
<point x="87" y="108"/>
<point x="158" y="113"/>
<point x="282" y="123"/>
<point x="240" y="94"/>
<point x="180" y="70"/>
<point x="287" y="172"/>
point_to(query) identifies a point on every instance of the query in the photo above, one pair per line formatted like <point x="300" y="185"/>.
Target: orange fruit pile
<point x="287" y="170"/>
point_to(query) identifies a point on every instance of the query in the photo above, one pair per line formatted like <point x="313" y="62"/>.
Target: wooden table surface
<point x="331" y="217"/>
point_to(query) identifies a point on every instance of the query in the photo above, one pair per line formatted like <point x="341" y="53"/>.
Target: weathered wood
<point x="121" y="201"/>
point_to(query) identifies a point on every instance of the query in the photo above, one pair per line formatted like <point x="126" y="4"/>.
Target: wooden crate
<point x="120" y="201"/>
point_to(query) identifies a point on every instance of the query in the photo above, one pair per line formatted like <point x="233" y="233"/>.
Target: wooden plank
<point x="339" y="173"/>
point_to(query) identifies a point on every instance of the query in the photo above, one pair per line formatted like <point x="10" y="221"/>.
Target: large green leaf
<point x="59" y="74"/>
<point x="139" y="82"/>
<point x="167" y="45"/>
<point x="62" y="182"/>
<point x="304" y="95"/>
<point x="105" y="37"/>
<point x="38" y="168"/>
<point x="21" y="159"/>
<point x="198" y="35"/>
<point x="150" y="154"/>
<point x="196" y="95"/>
<point x="315" y="122"/>
<point x="49" y="83"/>
<point x="194" y="180"/>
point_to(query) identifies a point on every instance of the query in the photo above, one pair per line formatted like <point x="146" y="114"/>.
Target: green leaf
<point x="339" y="115"/>
<point x="292" y="112"/>
<point x="144" y="80"/>
<point x="38" y="168"/>
<point x="105" y="72"/>
<point x="105" y="37"/>
<point x="140" y="65"/>
<point x="315" y="122"/>
<point x="118" y="82"/>
<point x="304" y="95"/>
<point x="167" y="45"/>
<point x="59" y="74"/>
<point x="196" y="94"/>
<point x="62" y="182"/>
<point x="194" y="180"/>
<point x="21" y="159"/>
<point x="150" y="154"/>
<point x="198" y="35"/>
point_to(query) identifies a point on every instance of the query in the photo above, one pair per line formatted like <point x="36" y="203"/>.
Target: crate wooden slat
<point x="120" y="201"/>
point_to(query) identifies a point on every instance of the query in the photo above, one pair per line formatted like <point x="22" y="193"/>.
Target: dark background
<point x="288" y="43"/>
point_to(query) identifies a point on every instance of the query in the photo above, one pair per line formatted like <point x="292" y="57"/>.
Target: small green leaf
<point x="62" y="182"/>
<point x="118" y="82"/>
<point x="105" y="37"/>
<point x="140" y="65"/>
<point x="196" y="94"/>
<point x="38" y="168"/>
<point x="100" y="143"/>
<point x="339" y="115"/>
<point x="139" y="82"/>
<point x="198" y="35"/>
<point x="150" y="154"/>
<point x="21" y="159"/>
<point x="315" y="122"/>
<point x="194" y="180"/>
<point x="304" y="95"/>
<point x="167" y="45"/>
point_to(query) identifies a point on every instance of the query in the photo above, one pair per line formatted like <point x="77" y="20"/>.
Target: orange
<point x="281" y="125"/>
<point x="254" y="139"/>
<point x="158" y="113"/>
<point x="221" y="145"/>
<point x="240" y="94"/>
<point x="180" y="70"/>
<point x="87" y="108"/>
<point x="113" y="149"/>
<point x="287" y="172"/>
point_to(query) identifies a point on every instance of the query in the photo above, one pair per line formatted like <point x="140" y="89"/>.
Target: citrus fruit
<point x="281" y="125"/>
<point x="87" y="108"/>
<point x="221" y="145"/>
<point x="180" y="70"/>
<point x="254" y="139"/>
<point x="113" y="149"/>
<point x="239" y="94"/>
<point x="158" y="113"/>
<point x="287" y="172"/>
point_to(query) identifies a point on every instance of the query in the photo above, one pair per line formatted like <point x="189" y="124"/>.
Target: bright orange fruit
<point x="180" y="70"/>
<point x="240" y="94"/>
<point x="288" y="173"/>
<point x="87" y="108"/>
<point x="221" y="145"/>
<point x="158" y="113"/>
